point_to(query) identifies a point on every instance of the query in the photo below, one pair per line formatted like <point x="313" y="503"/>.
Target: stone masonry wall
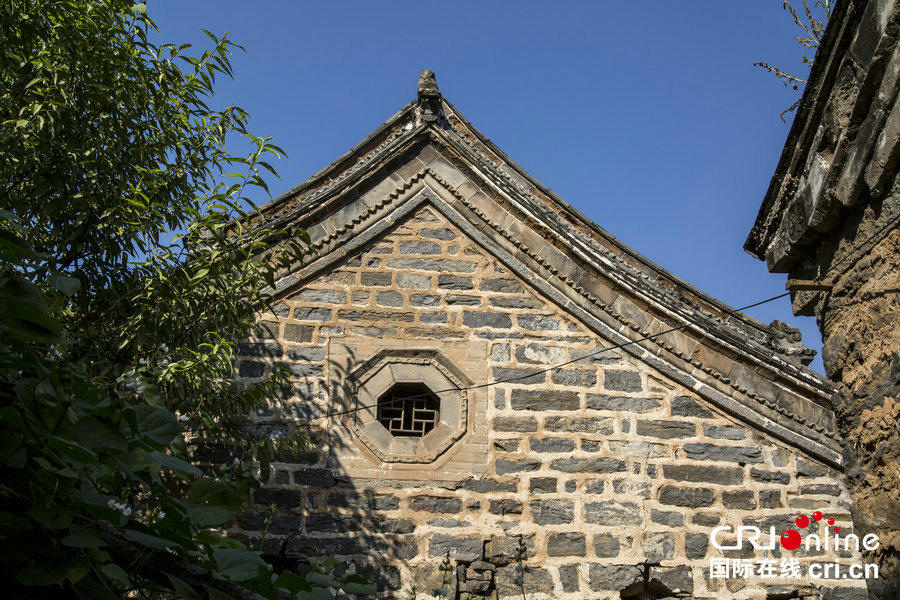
<point x="602" y="466"/>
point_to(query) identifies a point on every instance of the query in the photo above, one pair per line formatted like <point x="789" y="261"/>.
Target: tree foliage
<point x="814" y="28"/>
<point x="128" y="271"/>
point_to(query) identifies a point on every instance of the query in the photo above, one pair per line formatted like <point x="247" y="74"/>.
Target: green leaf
<point x="114" y="571"/>
<point x="212" y="502"/>
<point x="139" y="8"/>
<point x="83" y="538"/>
<point x="171" y="462"/>
<point x="184" y="591"/>
<point x="292" y="582"/>
<point x="72" y="451"/>
<point x="65" y="284"/>
<point x="54" y="572"/>
<point x="156" y="424"/>
<point x="317" y="593"/>
<point x="151" y="541"/>
<point x="237" y="565"/>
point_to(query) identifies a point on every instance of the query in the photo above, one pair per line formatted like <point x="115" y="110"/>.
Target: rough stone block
<point x="678" y="579"/>
<point x="454" y="282"/>
<point x="437" y="234"/>
<point x="487" y="319"/>
<point x="574" y="378"/>
<point x="486" y="484"/>
<point x="420" y="300"/>
<point x="588" y="465"/>
<point x="367" y="502"/>
<point x="658" y="546"/>
<point x="643" y="449"/>
<point x="519" y="303"/>
<point x="741" y="499"/>
<point x="552" y="512"/>
<point x="460" y="548"/>
<point x="551" y="445"/>
<point x="519" y="376"/>
<point x="281" y="498"/>
<point x="770" y="476"/>
<point x="504" y="467"/>
<point x="724" y="432"/>
<point x="315" y="477"/>
<point x="436" y="504"/>
<point x="693" y="498"/>
<point x="521" y="424"/>
<point x="267" y="330"/>
<point x="566" y="544"/>
<point x="418" y="248"/>
<point x="392" y="299"/>
<point x="430" y="318"/>
<point x="375" y="279"/>
<point x="505" y="286"/>
<point x="684" y="406"/>
<point x="695" y="545"/>
<point x="375" y="315"/>
<point x="595" y="425"/>
<point x="824" y="489"/>
<point x="611" y="513"/>
<point x="312" y="314"/>
<point x="735" y="454"/>
<point x="411" y="281"/>
<point x="666" y="429"/>
<point x="507" y="445"/>
<point x="568" y="578"/>
<point x="544" y="400"/>
<point x="770" y="499"/>
<point x="667" y="518"/>
<point x="612" y="577"/>
<point x="323" y="296"/>
<point x="707" y="474"/>
<point x="268" y="349"/>
<point x="504" y="507"/>
<point x="594" y="487"/>
<point x="439" y="265"/>
<point x="606" y="545"/>
<point x="542" y="485"/>
<point x="622" y="381"/>
<point x="621" y="403"/>
<point x="536" y="353"/>
<point x="537" y="322"/>
<point x="251" y="369"/>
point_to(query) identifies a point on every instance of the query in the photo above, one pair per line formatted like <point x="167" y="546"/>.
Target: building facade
<point x="490" y="377"/>
<point x="829" y="220"/>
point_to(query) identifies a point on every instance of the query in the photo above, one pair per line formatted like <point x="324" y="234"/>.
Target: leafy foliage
<point x="814" y="29"/>
<point x="116" y="334"/>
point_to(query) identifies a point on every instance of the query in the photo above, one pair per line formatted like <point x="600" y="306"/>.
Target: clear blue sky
<point x="650" y="118"/>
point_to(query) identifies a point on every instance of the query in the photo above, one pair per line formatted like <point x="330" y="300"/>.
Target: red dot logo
<point x="837" y="529"/>
<point x="831" y="521"/>
<point x="802" y="521"/>
<point x="790" y="540"/>
<point x="817" y="516"/>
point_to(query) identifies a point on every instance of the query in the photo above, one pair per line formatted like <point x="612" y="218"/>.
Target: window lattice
<point x="409" y="410"/>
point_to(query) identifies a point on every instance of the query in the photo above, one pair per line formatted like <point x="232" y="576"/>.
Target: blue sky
<point x="649" y="118"/>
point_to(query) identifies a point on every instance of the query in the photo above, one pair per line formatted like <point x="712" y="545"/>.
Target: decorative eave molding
<point x="429" y="188"/>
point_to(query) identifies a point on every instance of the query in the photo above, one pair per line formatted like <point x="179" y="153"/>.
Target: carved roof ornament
<point x="428" y="104"/>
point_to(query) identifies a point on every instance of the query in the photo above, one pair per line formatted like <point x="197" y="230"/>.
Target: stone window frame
<point x="390" y="367"/>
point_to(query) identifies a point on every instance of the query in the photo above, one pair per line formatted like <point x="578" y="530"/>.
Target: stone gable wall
<point x="601" y="466"/>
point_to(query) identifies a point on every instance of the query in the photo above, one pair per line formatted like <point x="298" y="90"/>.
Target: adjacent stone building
<point x="479" y="364"/>
<point x="830" y="220"/>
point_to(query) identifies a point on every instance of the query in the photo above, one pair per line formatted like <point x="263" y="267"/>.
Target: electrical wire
<point x="539" y="372"/>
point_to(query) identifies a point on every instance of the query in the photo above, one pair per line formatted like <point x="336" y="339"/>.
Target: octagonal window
<point x="409" y="409"/>
<point x="412" y="404"/>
